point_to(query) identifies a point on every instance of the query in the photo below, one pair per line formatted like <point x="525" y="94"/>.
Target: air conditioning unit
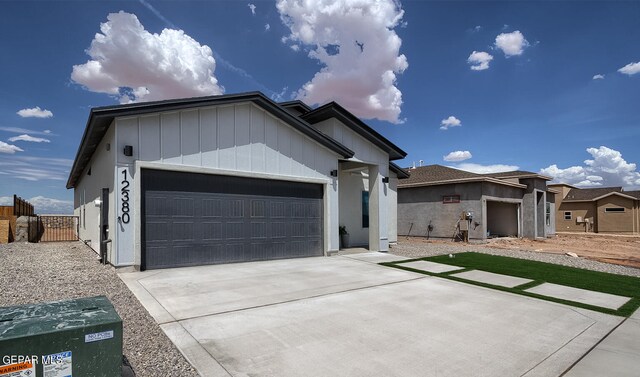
<point x="579" y="219"/>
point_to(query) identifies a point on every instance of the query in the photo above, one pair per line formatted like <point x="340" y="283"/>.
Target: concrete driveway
<point x="348" y="316"/>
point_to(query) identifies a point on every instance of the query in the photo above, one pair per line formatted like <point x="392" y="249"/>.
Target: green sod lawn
<point x="540" y="272"/>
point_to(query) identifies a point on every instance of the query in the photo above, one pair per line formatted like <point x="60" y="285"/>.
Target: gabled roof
<point x="400" y="172"/>
<point x="635" y="194"/>
<point x="590" y="194"/>
<point x="298" y="105"/>
<point x="432" y="175"/>
<point x="333" y="110"/>
<point x="100" y="119"/>
<point x="520" y="174"/>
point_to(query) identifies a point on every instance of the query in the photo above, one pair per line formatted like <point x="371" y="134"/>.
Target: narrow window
<point x="365" y="209"/>
<point x="451" y="199"/>
<point x="548" y="214"/>
<point x="567" y="215"/>
<point x="614" y="209"/>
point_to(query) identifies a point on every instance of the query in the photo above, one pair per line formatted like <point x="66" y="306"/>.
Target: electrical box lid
<point x="49" y="317"/>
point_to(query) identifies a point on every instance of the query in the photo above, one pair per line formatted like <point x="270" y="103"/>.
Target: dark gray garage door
<point x="194" y="219"/>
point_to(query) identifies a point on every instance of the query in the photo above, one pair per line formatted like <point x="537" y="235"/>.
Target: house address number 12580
<point x="124" y="197"/>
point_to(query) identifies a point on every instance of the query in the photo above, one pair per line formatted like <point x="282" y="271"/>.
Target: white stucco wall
<point x="240" y="139"/>
<point x="392" y="196"/>
<point x="89" y="189"/>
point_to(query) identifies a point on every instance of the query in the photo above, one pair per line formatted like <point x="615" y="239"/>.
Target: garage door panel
<point x="215" y="219"/>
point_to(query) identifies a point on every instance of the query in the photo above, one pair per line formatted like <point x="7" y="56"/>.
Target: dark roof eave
<point x="400" y="172"/>
<point x="333" y="109"/>
<point x="105" y="115"/>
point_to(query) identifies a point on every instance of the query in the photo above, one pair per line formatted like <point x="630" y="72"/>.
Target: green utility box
<point x="79" y="338"/>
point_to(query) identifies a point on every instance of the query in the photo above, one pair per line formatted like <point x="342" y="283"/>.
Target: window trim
<point x="568" y="213"/>
<point x="615" y="210"/>
<point x="450" y="199"/>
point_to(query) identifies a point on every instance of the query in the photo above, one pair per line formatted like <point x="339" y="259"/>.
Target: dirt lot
<point x="615" y="249"/>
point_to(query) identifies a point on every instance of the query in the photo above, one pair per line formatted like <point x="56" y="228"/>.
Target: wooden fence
<point x="21" y="207"/>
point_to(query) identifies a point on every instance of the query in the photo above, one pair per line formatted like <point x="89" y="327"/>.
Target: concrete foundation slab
<point x="375" y="257"/>
<point x="432" y="267"/>
<point x="491" y="278"/>
<point x="584" y="296"/>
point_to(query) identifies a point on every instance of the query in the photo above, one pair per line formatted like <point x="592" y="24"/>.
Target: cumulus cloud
<point x="457" y="156"/>
<point x="267" y="27"/>
<point x="43" y="205"/>
<point x="358" y="49"/>
<point x="630" y="69"/>
<point x="607" y="167"/>
<point x="479" y="60"/>
<point x="134" y="65"/>
<point x="450" y="122"/>
<point x="25" y="137"/>
<point x="485" y="169"/>
<point x="598" y="77"/>
<point x="511" y="43"/>
<point x="9" y="148"/>
<point x="35" y="112"/>
<point x="252" y="7"/>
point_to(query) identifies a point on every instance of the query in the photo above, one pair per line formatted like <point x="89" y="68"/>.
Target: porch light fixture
<point x="334" y="173"/>
<point x="385" y="179"/>
<point x="128" y="150"/>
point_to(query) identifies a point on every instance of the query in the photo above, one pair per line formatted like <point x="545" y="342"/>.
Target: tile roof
<point x="591" y="193"/>
<point x="435" y="173"/>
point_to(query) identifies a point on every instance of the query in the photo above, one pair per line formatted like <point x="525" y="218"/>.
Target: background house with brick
<point x="600" y="210"/>
<point x="517" y="203"/>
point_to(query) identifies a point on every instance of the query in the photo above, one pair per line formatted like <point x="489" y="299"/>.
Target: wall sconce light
<point x="334" y="173"/>
<point x="128" y="150"/>
<point x="385" y="179"/>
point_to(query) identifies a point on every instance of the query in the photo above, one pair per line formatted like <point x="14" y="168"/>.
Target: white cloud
<point x="267" y="27"/>
<point x="33" y="168"/>
<point x="477" y="28"/>
<point x="129" y="62"/>
<point x="9" y="148"/>
<point x="450" y="122"/>
<point x="35" y="112"/>
<point x="358" y="49"/>
<point x="630" y="69"/>
<point x="598" y="77"/>
<point x="252" y="7"/>
<point x="295" y="47"/>
<point x="18" y="130"/>
<point x="25" y="137"/>
<point x="606" y="168"/>
<point x="479" y="60"/>
<point x="43" y="205"/>
<point x="485" y="169"/>
<point x="457" y="156"/>
<point x="511" y="43"/>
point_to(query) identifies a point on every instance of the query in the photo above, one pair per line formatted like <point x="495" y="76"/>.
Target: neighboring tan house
<point x="231" y="178"/>
<point x="515" y="204"/>
<point x="600" y="210"/>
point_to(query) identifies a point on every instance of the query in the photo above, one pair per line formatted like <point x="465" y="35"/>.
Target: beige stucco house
<point x="600" y="210"/>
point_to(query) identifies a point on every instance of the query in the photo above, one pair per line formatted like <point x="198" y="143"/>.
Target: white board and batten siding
<point x="235" y="138"/>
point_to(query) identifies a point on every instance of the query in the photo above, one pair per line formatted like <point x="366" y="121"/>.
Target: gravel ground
<point x="33" y="273"/>
<point x="415" y="247"/>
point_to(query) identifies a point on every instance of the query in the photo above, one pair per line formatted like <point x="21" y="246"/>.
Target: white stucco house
<point x="231" y="178"/>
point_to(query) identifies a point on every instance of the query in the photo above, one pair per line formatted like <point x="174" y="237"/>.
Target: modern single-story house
<point x="231" y="178"/>
<point x="600" y="209"/>
<point x="433" y="199"/>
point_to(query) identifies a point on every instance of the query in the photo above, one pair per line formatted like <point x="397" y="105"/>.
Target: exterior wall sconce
<point x="128" y="150"/>
<point x="334" y="173"/>
<point x="385" y="179"/>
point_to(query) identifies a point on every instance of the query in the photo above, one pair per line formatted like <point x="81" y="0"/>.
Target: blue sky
<point x="551" y="87"/>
